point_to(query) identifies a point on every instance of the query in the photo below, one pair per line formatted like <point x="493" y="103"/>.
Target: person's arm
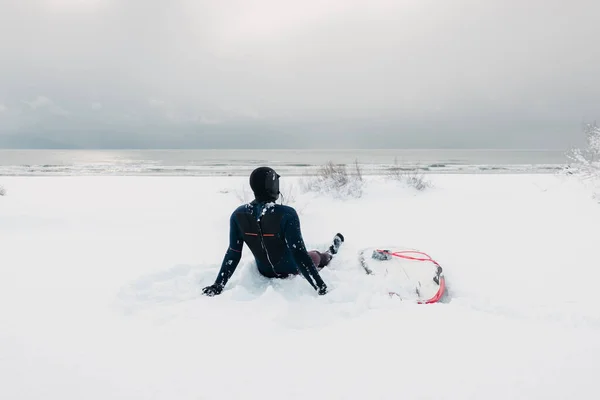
<point x="295" y="242"/>
<point x="230" y="261"/>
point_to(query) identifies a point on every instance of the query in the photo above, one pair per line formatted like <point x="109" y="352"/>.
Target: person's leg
<point x="320" y="259"/>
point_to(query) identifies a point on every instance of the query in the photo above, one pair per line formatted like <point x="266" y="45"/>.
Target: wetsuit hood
<point x="264" y="182"/>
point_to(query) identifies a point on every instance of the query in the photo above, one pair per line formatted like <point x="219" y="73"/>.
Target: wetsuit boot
<point x="337" y="242"/>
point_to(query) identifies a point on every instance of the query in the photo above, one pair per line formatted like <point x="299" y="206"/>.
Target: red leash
<point x="402" y="254"/>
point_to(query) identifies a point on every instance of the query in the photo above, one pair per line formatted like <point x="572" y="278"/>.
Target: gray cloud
<point x="421" y="73"/>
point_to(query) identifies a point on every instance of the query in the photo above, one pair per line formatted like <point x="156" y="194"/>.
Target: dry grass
<point x="337" y="179"/>
<point x="585" y="163"/>
<point x="409" y="176"/>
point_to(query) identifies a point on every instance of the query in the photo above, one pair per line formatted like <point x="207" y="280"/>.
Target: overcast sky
<point x="310" y="73"/>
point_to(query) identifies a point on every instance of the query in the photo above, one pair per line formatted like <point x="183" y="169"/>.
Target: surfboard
<point x="406" y="273"/>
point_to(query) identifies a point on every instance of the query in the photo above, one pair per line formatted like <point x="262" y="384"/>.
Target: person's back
<point x="271" y="232"/>
<point x="273" y="235"/>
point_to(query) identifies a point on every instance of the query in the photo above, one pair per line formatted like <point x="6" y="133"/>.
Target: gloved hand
<point x="322" y="290"/>
<point x="212" y="290"/>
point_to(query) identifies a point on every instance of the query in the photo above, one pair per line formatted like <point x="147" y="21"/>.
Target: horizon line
<point x="280" y="149"/>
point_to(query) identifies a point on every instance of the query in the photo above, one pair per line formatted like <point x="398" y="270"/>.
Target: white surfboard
<point x="407" y="273"/>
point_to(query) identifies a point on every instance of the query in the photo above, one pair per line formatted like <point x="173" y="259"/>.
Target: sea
<point x="239" y="162"/>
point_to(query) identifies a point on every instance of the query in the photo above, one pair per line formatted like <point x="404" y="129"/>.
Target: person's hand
<point x="322" y="290"/>
<point x="212" y="290"/>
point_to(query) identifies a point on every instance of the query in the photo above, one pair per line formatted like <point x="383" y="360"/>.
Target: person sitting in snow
<point x="272" y="232"/>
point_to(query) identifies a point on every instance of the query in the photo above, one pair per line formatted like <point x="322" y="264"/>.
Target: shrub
<point x="409" y="176"/>
<point x="337" y="180"/>
<point x="244" y="196"/>
<point x="288" y="194"/>
<point x="586" y="162"/>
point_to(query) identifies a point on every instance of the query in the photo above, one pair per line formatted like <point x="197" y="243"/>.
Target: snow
<point x="101" y="278"/>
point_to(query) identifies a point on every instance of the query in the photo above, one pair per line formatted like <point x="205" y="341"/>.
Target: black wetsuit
<point x="272" y="232"/>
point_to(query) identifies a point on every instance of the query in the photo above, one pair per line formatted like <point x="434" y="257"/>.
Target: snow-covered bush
<point x="586" y="162"/>
<point x="244" y="195"/>
<point x="337" y="180"/>
<point x="288" y="194"/>
<point x="2" y="191"/>
<point x="409" y="176"/>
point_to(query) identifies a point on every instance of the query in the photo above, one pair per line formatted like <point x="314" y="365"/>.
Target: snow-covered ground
<point x="100" y="281"/>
